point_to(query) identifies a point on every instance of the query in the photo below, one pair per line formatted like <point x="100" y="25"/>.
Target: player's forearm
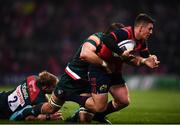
<point x="150" y="62"/>
<point x="30" y="118"/>
<point x="95" y="59"/>
<point x="92" y="58"/>
<point x="43" y="117"/>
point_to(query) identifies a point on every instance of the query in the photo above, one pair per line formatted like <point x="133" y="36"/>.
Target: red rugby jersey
<point x="120" y="35"/>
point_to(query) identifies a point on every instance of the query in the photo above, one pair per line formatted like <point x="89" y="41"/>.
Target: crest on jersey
<point x="103" y="88"/>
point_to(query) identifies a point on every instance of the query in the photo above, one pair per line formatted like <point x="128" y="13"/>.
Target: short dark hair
<point x="143" y="18"/>
<point x="112" y="27"/>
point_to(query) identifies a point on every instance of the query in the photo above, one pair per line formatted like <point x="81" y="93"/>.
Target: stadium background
<point x="44" y="34"/>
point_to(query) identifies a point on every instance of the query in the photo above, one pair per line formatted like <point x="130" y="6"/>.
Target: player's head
<point x="113" y="27"/>
<point x="143" y="26"/>
<point x="48" y="81"/>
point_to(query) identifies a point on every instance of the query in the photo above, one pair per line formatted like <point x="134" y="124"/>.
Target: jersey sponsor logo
<point x="60" y="92"/>
<point x="103" y="88"/>
<point x="32" y="88"/>
<point x="24" y="91"/>
<point x="16" y="99"/>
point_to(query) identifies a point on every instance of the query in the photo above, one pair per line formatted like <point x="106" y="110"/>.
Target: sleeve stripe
<point x="129" y="34"/>
<point x="95" y="39"/>
<point x="114" y="35"/>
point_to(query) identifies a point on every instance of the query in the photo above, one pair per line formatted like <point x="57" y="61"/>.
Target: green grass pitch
<point x="152" y="106"/>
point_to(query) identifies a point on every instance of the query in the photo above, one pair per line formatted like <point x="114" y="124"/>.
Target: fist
<point x="155" y="59"/>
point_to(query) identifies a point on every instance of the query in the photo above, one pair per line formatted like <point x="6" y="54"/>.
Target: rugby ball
<point x="127" y="45"/>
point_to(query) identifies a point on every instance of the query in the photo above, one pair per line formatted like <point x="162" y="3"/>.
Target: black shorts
<point x="71" y="86"/>
<point x="101" y="81"/>
<point x="5" y="112"/>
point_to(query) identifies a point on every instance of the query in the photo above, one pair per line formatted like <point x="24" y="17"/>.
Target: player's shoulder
<point x="96" y="37"/>
<point x="129" y="31"/>
<point x="123" y="33"/>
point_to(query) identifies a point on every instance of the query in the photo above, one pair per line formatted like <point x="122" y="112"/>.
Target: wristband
<point x="104" y="64"/>
<point x="142" y="61"/>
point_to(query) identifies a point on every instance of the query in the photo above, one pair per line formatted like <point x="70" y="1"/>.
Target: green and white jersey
<point x="77" y="68"/>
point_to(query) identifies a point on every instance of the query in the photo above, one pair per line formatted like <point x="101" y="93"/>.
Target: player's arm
<point x="88" y="53"/>
<point x="139" y="61"/>
<point x="145" y="53"/>
<point x="43" y="117"/>
<point x="30" y="113"/>
<point x="111" y="41"/>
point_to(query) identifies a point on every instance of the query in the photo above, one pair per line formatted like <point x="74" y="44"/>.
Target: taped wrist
<point x="104" y="64"/>
<point x="54" y="104"/>
<point x="143" y="61"/>
<point x="84" y="110"/>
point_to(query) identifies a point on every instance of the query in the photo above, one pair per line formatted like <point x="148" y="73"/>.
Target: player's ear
<point x="140" y="28"/>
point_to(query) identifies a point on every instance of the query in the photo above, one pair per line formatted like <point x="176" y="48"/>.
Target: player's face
<point x="146" y="31"/>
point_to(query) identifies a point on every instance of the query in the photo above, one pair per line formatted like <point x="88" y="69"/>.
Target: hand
<point x="151" y="62"/>
<point x="127" y="55"/>
<point x="155" y="58"/>
<point x="42" y="117"/>
<point x="56" y="116"/>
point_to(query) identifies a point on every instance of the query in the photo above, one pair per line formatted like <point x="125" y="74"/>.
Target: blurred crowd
<point x="43" y="35"/>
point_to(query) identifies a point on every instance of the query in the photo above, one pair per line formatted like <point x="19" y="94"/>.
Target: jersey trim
<point x="115" y="37"/>
<point x="128" y="32"/>
<point x="95" y="39"/>
<point x="72" y="74"/>
<point x="92" y="42"/>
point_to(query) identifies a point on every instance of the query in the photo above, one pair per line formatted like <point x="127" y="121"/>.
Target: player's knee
<point x="100" y="107"/>
<point x="53" y="109"/>
<point x="48" y="108"/>
<point x="122" y="103"/>
<point x="125" y="103"/>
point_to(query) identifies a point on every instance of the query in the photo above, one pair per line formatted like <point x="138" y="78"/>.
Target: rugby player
<point x="29" y="92"/>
